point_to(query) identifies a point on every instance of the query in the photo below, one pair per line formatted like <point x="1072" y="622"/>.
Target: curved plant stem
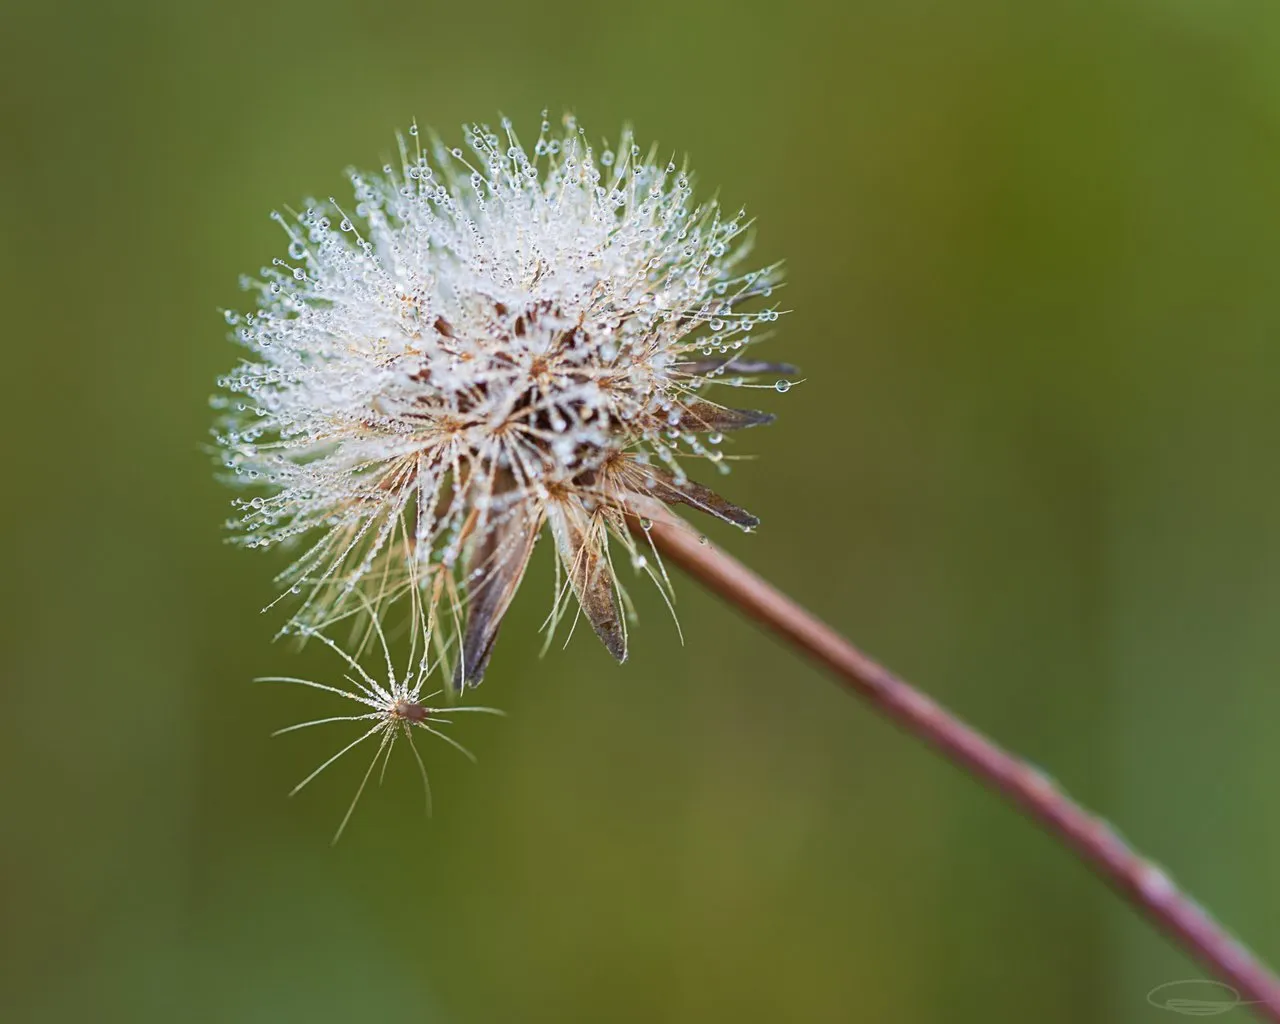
<point x="1092" y="840"/>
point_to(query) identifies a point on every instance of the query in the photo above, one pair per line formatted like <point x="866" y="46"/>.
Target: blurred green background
<point x="1034" y="258"/>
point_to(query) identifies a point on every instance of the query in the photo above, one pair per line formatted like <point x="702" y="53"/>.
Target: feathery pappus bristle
<point x="396" y="708"/>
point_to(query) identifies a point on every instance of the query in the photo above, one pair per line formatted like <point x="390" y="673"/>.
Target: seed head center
<point x="410" y="711"/>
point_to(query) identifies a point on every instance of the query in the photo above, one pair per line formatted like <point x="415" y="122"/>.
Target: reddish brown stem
<point x="1093" y="841"/>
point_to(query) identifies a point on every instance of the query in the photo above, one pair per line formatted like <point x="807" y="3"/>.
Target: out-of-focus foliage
<point x="1034" y="257"/>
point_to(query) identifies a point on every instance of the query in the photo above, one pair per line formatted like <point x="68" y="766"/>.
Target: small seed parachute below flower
<point x="488" y="346"/>
<point x="397" y="707"/>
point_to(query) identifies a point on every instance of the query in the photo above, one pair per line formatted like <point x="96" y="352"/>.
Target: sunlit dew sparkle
<point x="484" y="342"/>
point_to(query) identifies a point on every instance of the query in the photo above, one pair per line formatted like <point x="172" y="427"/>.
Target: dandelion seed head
<point x="483" y="341"/>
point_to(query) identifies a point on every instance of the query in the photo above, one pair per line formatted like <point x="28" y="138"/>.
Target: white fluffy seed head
<point x="486" y="340"/>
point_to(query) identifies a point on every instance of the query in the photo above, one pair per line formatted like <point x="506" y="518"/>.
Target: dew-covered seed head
<point x="480" y="342"/>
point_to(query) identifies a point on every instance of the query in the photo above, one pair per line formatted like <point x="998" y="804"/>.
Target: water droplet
<point x="783" y="386"/>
